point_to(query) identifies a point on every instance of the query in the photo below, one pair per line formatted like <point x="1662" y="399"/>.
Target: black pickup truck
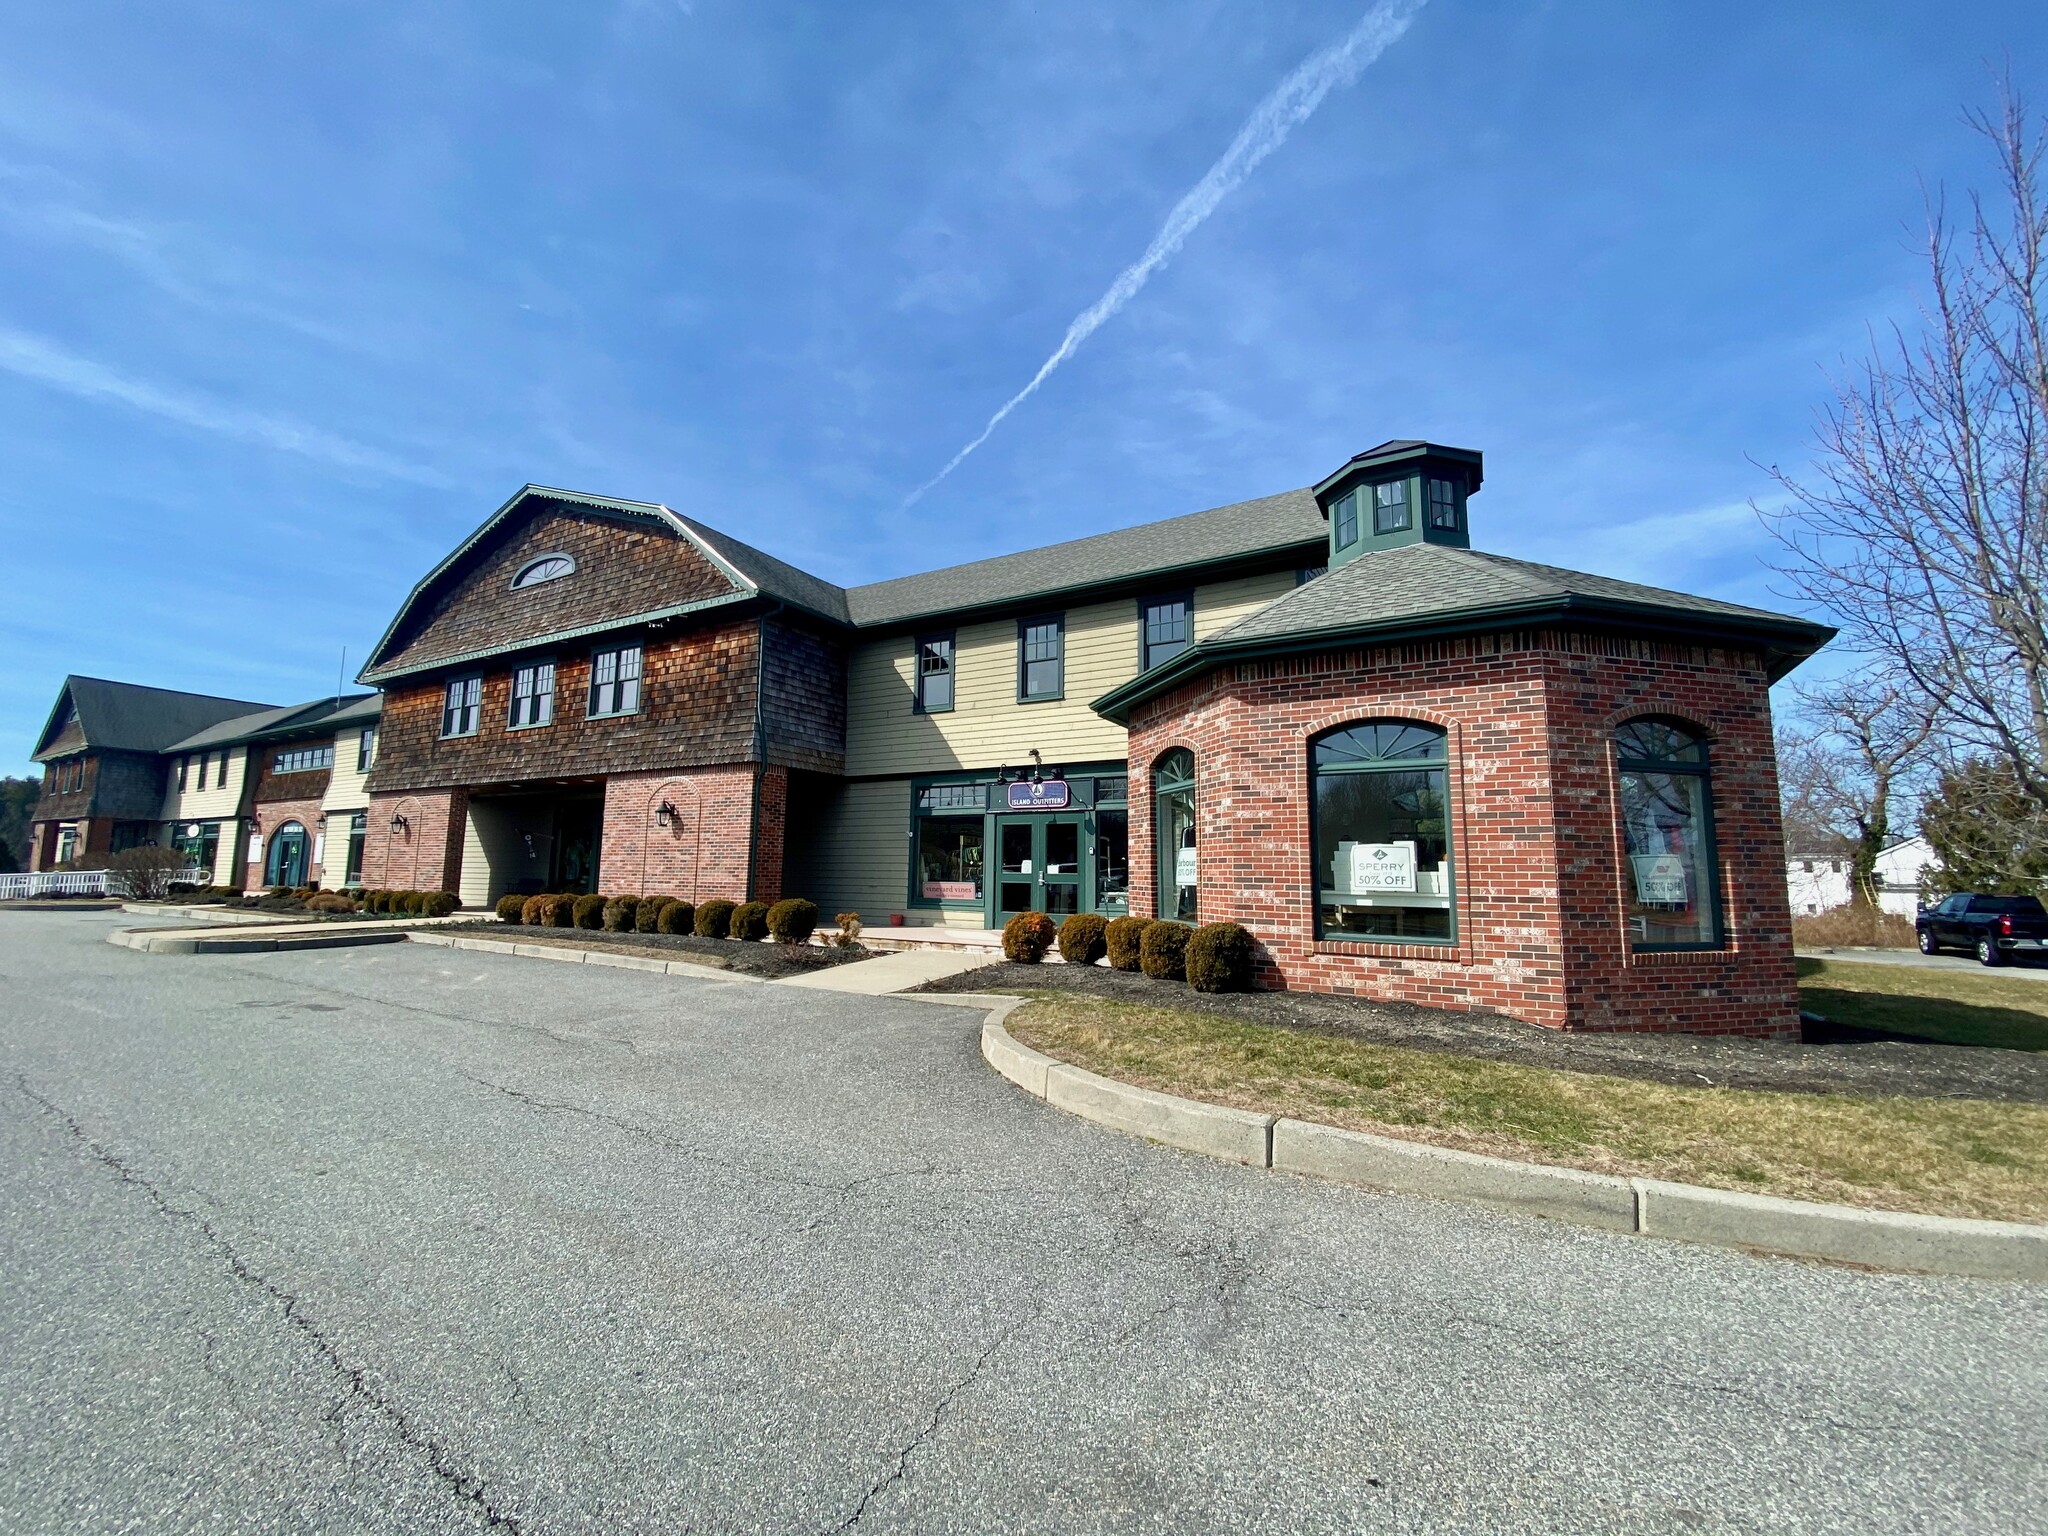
<point x="1995" y="928"/>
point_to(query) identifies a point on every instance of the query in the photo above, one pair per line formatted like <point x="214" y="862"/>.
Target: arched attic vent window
<point x="546" y="568"/>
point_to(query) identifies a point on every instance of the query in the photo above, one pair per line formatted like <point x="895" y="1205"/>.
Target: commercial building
<point x="1414" y="770"/>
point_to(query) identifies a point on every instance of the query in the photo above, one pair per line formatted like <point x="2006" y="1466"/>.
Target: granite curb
<point x="1941" y="1245"/>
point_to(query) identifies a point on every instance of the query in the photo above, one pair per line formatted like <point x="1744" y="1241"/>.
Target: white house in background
<point x="1819" y="882"/>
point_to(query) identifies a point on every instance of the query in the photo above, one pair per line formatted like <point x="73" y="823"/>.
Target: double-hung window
<point x="366" y="749"/>
<point x="1344" y="513"/>
<point x="533" y="695"/>
<point x="220" y="780"/>
<point x="1041" y="658"/>
<point x="615" y="681"/>
<point x="934" y="674"/>
<point x="1167" y="626"/>
<point x="459" y="708"/>
<point x="1390" y="507"/>
<point x="1443" y="504"/>
<point x="183" y="763"/>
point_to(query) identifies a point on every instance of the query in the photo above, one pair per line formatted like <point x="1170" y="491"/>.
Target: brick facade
<point x="1536" y="838"/>
<point x="702" y="852"/>
<point x="270" y="819"/>
<point x="425" y="854"/>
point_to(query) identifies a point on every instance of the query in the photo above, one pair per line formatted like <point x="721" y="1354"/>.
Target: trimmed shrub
<point x="1163" y="952"/>
<point x="648" y="913"/>
<point x="714" y="920"/>
<point x="416" y="903"/>
<point x="589" y="911"/>
<point x="1219" y="958"/>
<point x="330" y="901"/>
<point x="438" y="903"/>
<point x="535" y="911"/>
<point x="1081" y="940"/>
<point x="620" y="913"/>
<point x="793" y="920"/>
<point x="512" y="909"/>
<point x="749" y="922"/>
<point x="561" y="911"/>
<point x="676" y="917"/>
<point x="1027" y="936"/>
<point x="1122" y="938"/>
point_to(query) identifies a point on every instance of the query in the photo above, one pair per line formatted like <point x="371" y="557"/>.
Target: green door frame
<point x="1081" y="879"/>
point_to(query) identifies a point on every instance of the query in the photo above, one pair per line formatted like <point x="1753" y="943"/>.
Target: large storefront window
<point x="949" y="858"/>
<point x="199" y="842"/>
<point x="1382" y="833"/>
<point x="1173" y="822"/>
<point x="1112" y="847"/>
<point x="1667" y="815"/>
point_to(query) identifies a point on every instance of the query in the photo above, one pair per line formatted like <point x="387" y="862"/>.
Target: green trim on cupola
<point x="1402" y="492"/>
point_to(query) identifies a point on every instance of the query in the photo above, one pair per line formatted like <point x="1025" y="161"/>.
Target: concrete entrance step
<point x="890" y="972"/>
<point x="985" y="942"/>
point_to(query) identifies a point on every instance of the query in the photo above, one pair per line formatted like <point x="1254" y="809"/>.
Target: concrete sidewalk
<point x="894" y="972"/>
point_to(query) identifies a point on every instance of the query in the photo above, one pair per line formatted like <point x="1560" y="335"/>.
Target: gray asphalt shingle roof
<point x="1423" y="581"/>
<point x="353" y="709"/>
<point x="776" y="578"/>
<point x="132" y="717"/>
<point x="1245" y="529"/>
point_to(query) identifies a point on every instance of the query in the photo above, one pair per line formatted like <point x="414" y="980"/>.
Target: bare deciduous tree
<point x="1868" y="735"/>
<point x="1926" y="531"/>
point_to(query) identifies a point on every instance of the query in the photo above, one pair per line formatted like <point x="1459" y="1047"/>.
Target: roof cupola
<point x="1402" y="492"/>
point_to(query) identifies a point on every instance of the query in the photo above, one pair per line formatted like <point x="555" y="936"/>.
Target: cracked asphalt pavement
<point x="418" y="1240"/>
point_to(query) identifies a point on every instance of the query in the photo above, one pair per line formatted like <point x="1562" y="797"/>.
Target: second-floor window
<point x="459" y="707"/>
<point x="533" y="695"/>
<point x="366" y="749"/>
<point x="615" y="681"/>
<point x="1041" y="658"/>
<point x="934" y="674"/>
<point x="1169" y="629"/>
<point x="221" y="778"/>
<point x="303" y="759"/>
<point x="183" y="764"/>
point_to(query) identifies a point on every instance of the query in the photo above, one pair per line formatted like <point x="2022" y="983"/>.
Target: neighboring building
<point x="101" y="752"/>
<point x="251" y="793"/>
<point x="1819" y="882"/>
<point x="1432" y="774"/>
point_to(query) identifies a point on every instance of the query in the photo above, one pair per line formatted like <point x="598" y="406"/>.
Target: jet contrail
<point x="1263" y="132"/>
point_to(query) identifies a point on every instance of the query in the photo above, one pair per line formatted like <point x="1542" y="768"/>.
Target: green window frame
<point x="1042" y="658"/>
<point x="1443" y="504"/>
<point x="1390" y="506"/>
<point x="1376" y="788"/>
<point x="1175" y="832"/>
<point x="1344" y="516"/>
<point x="1166" y="627"/>
<point x="934" y="658"/>
<point x="1671" y="885"/>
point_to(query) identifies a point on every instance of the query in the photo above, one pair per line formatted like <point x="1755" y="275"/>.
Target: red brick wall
<point x="427" y="854"/>
<point x="771" y="834"/>
<point x="270" y="819"/>
<point x="1534" y="822"/>
<point x="702" y="854"/>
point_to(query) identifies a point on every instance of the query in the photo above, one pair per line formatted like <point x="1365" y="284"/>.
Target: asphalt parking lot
<point x="419" y="1240"/>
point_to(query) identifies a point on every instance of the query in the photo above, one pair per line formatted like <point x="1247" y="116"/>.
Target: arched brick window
<point x="1382" y="833"/>
<point x="1671" y="888"/>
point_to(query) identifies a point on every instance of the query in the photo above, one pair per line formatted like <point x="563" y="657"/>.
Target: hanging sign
<point x="1045" y="795"/>
<point x="1382" y="867"/>
<point x="1660" y="877"/>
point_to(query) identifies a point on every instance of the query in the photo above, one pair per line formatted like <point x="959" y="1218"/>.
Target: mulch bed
<point x="1861" y="1066"/>
<point x="770" y="960"/>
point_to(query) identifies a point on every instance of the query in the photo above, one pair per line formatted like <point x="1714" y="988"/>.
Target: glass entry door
<point x="1039" y="866"/>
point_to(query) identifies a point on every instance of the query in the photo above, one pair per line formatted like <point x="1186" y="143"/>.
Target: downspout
<point x="760" y="741"/>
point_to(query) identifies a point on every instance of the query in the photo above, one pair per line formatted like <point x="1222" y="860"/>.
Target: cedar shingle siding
<point x="626" y="565"/>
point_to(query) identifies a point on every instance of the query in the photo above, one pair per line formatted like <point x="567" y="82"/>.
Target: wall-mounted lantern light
<point x="665" y="813"/>
<point x="400" y="824"/>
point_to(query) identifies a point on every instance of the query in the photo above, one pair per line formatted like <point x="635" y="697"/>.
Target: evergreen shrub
<point x="512" y="908"/>
<point x="749" y="922"/>
<point x="1122" y="937"/>
<point x="588" y="911"/>
<point x="714" y="919"/>
<point x="620" y="914"/>
<point x="1027" y="936"/>
<point x="676" y="917"/>
<point x="1163" y="952"/>
<point x="1081" y="939"/>
<point x="1220" y="957"/>
<point x="793" y="920"/>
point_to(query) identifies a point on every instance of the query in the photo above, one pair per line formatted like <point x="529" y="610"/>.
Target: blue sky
<point x="291" y="297"/>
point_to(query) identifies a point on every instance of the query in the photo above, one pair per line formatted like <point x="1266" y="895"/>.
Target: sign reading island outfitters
<point x="1046" y="795"/>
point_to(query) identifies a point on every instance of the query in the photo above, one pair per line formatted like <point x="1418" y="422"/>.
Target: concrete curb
<point x="155" y="942"/>
<point x="1941" y="1245"/>
<point x="568" y="954"/>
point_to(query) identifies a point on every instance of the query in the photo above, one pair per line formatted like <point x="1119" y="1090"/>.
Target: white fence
<point x="62" y="882"/>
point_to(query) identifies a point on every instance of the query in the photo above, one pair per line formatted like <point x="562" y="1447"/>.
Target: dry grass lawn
<point x="1954" y="1006"/>
<point x="1948" y="1157"/>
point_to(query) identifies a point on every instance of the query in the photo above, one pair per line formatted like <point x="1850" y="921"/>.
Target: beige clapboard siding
<point x="859" y="858"/>
<point x="346" y="789"/>
<point x="987" y="726"/>
<point x="208" y="804"/>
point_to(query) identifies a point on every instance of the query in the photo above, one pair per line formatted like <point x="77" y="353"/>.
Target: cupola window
<point x="1345" y="512"/>
<point x="1443" y="504"/>
<point x="1390" y="507"/>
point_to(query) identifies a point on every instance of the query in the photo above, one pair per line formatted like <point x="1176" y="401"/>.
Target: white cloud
<point x="45" y="363"/>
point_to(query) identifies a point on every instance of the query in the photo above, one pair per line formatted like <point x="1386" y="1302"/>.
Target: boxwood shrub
<point x="1027" y="936"/>
<point x="561" y="911"/>
<point x="1081" y="939"/>
<point x="793" y="920"/>
<point x="511" y="908"/>
<point x="1220" y="957"/>
<point x="714" y="919"/>
<point x="438" y="903"/>
<point x="620" y="913"/>
<point x="749" y="922"/>
<point x="1122" y="937"/>
<point x="1162" y="953"/>
<point x="589" y="911"/>
<point x="648" y="913"/>
<point x="676" y="917"/>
